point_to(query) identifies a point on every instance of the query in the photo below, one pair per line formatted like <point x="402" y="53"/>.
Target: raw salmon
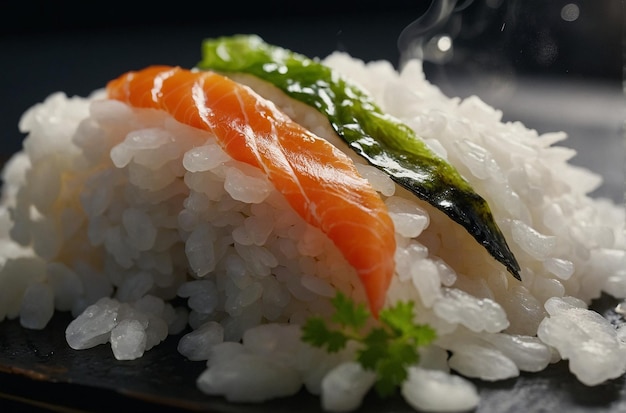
<point x="318" y="180"/>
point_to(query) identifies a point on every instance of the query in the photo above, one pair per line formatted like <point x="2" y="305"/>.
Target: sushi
<point x="209" y="204"/>
<point x="319" y="182"/>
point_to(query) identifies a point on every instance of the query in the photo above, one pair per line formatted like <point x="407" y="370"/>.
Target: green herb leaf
<point x="382" y="140"/>
<point x="393" y="372"/>
<point x="401" y="320"/>
<point x="317" y="334"/>
<point x="349" y="313"/>
<point x="387" y="349"/>
<point x="375" y="348"/>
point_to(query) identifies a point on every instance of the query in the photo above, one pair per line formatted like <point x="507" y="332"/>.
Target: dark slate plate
<point x="38" y="370"/>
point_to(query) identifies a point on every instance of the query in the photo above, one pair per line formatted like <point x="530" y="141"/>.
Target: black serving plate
<point x="79" y="50"/>
<point x="40" y="372"/>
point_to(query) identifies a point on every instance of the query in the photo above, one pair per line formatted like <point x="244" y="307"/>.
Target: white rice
<point x="111" y="212"/>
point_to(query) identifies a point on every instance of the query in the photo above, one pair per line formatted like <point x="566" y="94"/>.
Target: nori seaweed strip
<point x="381" y="139"/>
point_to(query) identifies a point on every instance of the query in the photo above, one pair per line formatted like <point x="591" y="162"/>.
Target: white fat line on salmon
<point x="279" y="116"/>
<point x="158" y="83"/>
<point x="199" y="98"/>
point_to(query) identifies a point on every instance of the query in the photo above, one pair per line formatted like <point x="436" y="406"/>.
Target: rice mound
<point x="143" y="227"/>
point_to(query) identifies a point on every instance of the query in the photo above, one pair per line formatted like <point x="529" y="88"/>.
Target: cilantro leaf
<point x="399" y="317"/>
<point x="391" y="374"/>
<point x="348" y="313"/>
<point x="375" y="348"/>
<point x="316" y="333"/>
<point x="388" y="348"/>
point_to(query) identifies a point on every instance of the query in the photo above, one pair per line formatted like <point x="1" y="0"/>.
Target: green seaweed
<point x="381" y="139"/>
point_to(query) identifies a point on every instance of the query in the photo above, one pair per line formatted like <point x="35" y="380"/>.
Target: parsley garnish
<point x="388" y="349"/>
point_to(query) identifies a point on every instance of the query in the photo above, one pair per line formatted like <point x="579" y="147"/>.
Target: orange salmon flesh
<point x="318" y="180"/>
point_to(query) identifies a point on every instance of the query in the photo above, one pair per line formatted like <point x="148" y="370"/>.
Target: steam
<point x="414" y="36"/>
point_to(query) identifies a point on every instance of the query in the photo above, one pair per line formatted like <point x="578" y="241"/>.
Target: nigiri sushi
<point x="220" y="206"/>
<point x="320" y="182"/>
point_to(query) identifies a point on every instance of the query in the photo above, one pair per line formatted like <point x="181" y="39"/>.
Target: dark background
<point x="589" y="46"/>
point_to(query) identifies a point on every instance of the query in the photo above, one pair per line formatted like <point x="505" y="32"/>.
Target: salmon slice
<point x="318" y="180"/>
